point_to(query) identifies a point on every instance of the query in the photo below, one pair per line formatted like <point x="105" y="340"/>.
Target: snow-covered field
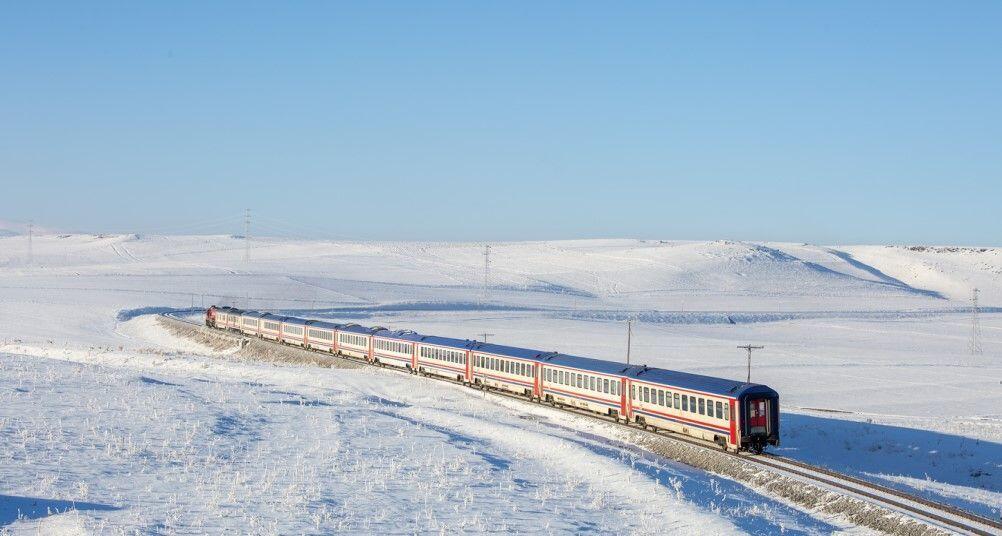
<point x="103" y="411"/>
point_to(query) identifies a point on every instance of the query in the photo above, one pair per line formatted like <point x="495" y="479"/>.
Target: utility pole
<point x="485" y="335"/>
<point x="975" y="325"/>
<point x="247" y="220"/>
<point x="31" y="253"/>
<point x="487" y="273"/>
<point x="750" y="348"/>
<point x="629" y="338"/>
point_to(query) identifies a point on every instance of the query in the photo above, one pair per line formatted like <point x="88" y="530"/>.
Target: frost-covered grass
<point x="866" y="344"/>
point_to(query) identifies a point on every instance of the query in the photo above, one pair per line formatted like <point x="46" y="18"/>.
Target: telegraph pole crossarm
<point x="750" y="348"/>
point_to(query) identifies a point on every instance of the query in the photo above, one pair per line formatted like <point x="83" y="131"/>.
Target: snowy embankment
<point x="868" y="347"/>
<point x="215" y="444"/>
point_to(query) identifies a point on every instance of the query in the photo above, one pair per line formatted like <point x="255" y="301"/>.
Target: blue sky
<point x="843" y="123"/>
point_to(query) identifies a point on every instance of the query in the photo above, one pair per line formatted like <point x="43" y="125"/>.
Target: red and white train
<point x="736" y="415"/>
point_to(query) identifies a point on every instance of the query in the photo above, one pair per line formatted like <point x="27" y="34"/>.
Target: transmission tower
<point x="975" y="325"/>
<point x="31" y="252"/>
<point x="487" y="274"/>
<point x="247" y="220"/>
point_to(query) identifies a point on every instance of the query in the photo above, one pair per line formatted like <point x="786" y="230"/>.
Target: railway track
<point x="935" y="514"/>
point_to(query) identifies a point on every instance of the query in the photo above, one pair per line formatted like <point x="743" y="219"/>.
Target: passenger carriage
<point x="354" y="340"/>
<point x="705" y="407"/>
<point x="445" y="357"/>
<point x="250" y="322"/>
<point x="591" y="384"/>
<point x="321" y="335"/>
<point x="270" y="327"/>
<point x="507" y="368"/>
<point x="395" y="348"/>
<point x="294" y="331"/>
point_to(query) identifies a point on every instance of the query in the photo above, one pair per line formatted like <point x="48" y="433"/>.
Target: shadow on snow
<point x="13" y="508"/>
<point x="867" y="450"/>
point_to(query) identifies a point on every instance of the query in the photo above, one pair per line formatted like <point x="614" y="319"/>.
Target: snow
<point x="867" y="346"/>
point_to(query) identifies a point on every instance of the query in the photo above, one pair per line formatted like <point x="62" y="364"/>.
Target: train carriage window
<point x="546" y="374"/>
<point x="720" y="410"/>
<point x="591" y="380"/>
<point x="685" y="402"/>
<point x="644" y="394"/>
<point x="702" y="406"/>
<point x="633" y="392"/>
<point x="727" y="412"/>
<point x="615" y="387"/>
<point x="578" y="380"/>
<point x="678" y="405"/>
<point x="605" y="385"/>
<point x="661" y="397"/>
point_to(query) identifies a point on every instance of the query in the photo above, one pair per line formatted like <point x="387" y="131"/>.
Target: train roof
<point x="696" y="382"/>
<point x="399" y="334"/>
<point x="356" y="328"/>
<point x="600" y="366"/>
<point x="451" y="342"/>
<point x="320" y="324"/>
<point x="510" y="351"/>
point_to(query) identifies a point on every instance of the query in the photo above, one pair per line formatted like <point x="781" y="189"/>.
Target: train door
<point x="758" y="416"/>
<point x="625" y="400"/>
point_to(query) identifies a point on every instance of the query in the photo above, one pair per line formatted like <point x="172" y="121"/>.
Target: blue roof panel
<point x="695" y="382"/>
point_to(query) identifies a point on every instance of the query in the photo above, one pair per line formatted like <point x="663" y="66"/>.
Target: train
<point x="736" y="415"/>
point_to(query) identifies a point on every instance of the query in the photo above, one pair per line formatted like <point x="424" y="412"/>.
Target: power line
<point x="976" y="348"/>
<point x="485" y="335"/>
<point x="31" y="252"/>
<point x="247" y="220"/>
<point x="750" y="348"/>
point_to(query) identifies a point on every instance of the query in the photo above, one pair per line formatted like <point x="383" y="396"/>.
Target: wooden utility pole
<point x="750" y="348"/>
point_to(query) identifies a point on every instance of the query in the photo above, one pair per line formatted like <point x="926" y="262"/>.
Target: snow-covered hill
<point x="619" y="274"/>
<point x="867" y="345"/>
